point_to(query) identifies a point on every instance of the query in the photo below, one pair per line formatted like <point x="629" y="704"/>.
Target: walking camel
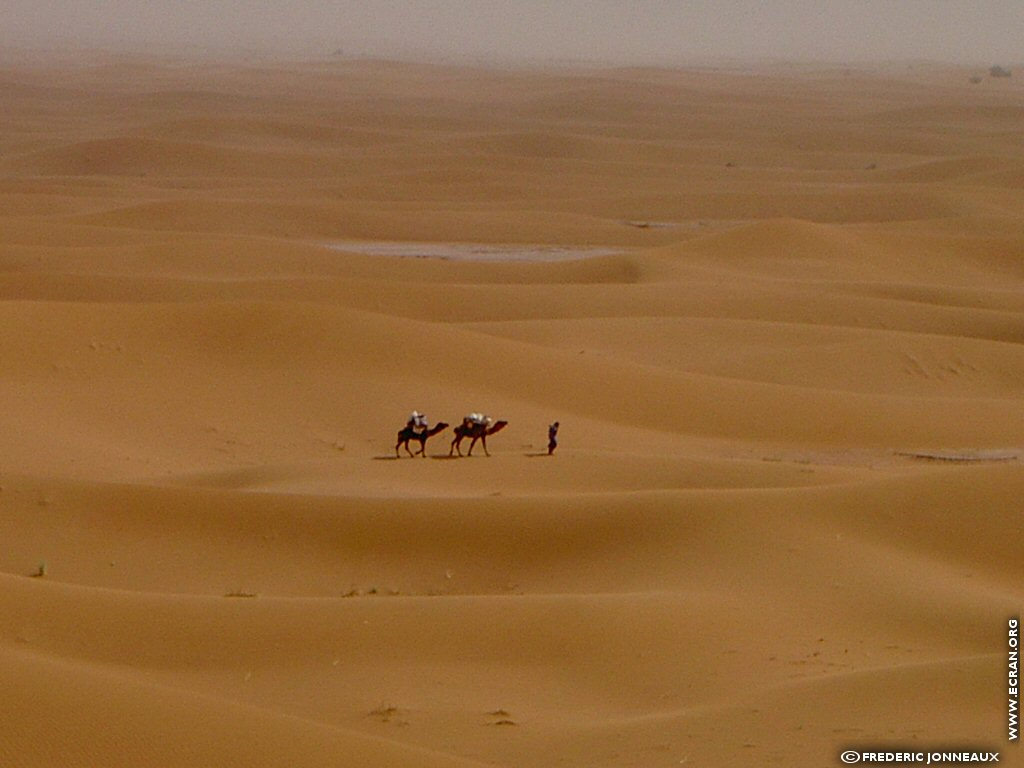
<point x="477" y="432"/>
<point x="407" y="434"/>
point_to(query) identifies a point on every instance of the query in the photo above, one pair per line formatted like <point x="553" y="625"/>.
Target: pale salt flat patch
<point x="655" y="224"/>
<point x="965" y="456"/>
<point x="471" y="251"/>
<point x="688" y="226"/>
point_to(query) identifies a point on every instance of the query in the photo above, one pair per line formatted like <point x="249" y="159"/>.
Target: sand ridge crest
<point x="784" y="507"/>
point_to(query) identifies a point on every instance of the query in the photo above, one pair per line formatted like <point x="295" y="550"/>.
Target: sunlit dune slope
<point x="777" y="312"/>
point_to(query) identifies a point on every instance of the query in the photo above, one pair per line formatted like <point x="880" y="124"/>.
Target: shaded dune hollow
<point x="778" y="315"/>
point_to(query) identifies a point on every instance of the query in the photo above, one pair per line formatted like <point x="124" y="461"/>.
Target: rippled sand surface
<point x="784" y="517"/>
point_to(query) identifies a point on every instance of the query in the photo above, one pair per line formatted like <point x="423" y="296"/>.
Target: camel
<point x="408" y="433"/>
<point x="477" y="432"/>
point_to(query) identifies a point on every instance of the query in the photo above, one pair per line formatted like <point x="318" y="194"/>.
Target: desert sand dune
<point x="784" y="515"/>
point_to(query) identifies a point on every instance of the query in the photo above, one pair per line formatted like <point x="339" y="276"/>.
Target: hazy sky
<point x="974" y="31"/>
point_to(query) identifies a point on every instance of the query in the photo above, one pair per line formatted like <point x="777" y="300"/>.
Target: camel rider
<point x="417" y="422"/>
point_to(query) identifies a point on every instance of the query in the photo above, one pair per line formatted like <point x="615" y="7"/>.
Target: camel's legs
<point x="483" y="441"/>
<point x="406" y="440"/>
<point x="455" y="445"/>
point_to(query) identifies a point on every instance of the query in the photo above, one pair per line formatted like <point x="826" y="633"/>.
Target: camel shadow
<point x="452" y="457"/>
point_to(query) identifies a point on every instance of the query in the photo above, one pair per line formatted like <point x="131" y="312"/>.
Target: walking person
<point x="552" y="437"/>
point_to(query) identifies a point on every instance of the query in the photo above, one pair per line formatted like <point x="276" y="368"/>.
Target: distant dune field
<point x="785" y="514"/>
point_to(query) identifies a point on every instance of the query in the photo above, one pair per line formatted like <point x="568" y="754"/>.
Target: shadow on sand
<point x="447" y="457"/>
<point x="417" y="457"/>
